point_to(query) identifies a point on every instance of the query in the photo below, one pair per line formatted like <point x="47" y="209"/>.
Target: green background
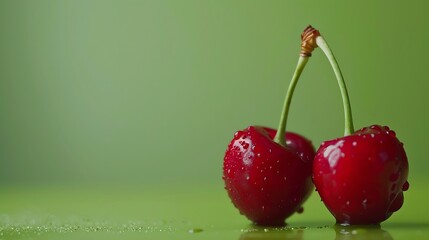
<point x="142" y="97"/>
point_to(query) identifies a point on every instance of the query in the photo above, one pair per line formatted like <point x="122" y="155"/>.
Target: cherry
<point x="266" y="181"/>
<point x="360" y="177"/>
<point x="267" y="172"/>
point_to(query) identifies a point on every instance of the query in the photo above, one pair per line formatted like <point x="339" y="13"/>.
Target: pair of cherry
<point x="360" y="177"/>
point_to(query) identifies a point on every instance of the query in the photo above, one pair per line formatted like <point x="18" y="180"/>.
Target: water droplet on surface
<point x="247" y="177"/>
<point x="266" y="230"/>
<point x="195" y="230"/>
<point x="354" y="144"/>
<point x="391" y="133"/>
<point x="265" y="178"/>
<point x="372" y="135"/>
<point x="348" y="203"/>
<point x="364" y="202"/>
<point x="263" y="208"/>
<point x="258" y="155"/>
<point x="405" y="186"/>
<point x="300" y="210"/>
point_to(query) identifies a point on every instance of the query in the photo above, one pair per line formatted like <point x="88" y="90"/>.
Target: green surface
<point x="179" y="212"/>
<point x="115" y="115"/>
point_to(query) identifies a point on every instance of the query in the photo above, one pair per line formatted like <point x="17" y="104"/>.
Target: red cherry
<point x="267" y="173"/>
<point x="361" y="177"/>
<point x="266" y="181"/>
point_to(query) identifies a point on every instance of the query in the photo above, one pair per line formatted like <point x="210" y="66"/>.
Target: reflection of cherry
<point x="355" y="232"/>
<point x="360" y="177"/>
<point x="273" y="235"/>
<point x="267" y="173"/>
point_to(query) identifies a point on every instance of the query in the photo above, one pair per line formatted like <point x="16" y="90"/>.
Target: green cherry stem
<point x="307" y="46"/>
<point x="348" y="119"/>
<point x="280" y="135"/>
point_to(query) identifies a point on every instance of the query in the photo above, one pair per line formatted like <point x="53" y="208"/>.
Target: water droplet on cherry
<point x="405" y="186"/>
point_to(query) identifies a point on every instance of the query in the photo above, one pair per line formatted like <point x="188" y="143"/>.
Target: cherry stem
<point x="280" y="137"/>
<point x="348" y="119"/>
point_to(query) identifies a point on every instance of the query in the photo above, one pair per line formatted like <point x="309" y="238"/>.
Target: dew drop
<point x="405" y="186"/>
<point x="391" y="133"/>
<point x="247" y="177"/>
<point x="258" y="155"/>
<point x="300" y="210"/>
<point x="364" y="202"/>
<point x="372" y="135"/>
<point x="263" y="208"/>
<point x="284" y="178"/>
<point x="354" y="144"/>
<point x="265" y="178"/>
<point x="348" y="203"/>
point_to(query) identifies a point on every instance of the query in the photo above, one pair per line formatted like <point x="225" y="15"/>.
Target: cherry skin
<point x="266" y="181"/>
<point x="361" y="177"/>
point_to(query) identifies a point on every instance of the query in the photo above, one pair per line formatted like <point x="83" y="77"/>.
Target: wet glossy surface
<point x="266" y="181"/>
<point x="361" y="177"/>
<point x="179" y="212"/>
